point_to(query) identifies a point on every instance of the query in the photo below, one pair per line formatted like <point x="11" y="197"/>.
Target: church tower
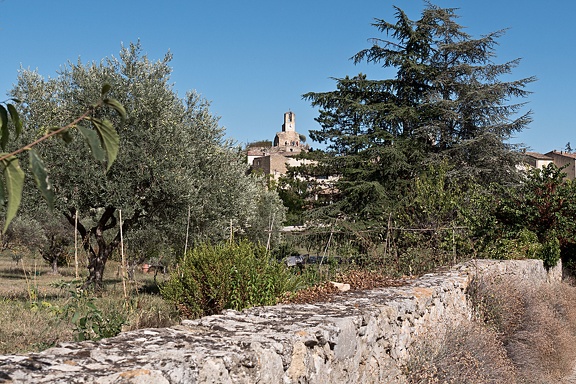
<point x="289" y="122"/>
<point x="274" y="161"/>
<point x="288" y="140"/>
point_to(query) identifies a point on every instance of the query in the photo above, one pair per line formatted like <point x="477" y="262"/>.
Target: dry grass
<point x="537" y="327"/>
<point x="469" y="353"/>
<point x="25" y="328"/>
<point x="32" y="304"/>
<point x="522" y="333"/>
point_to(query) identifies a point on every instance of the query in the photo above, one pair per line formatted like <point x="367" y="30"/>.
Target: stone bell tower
<point x="288" y="140"/>
<point x="289" y="122"/>
<point x="274" y="161"/>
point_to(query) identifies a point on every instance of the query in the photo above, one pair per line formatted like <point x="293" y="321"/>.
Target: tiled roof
<point x="562" y="153"/>
<point x="538" y="156"/>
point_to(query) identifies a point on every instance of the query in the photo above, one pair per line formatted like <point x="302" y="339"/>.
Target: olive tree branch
<point x="47" y="136"/>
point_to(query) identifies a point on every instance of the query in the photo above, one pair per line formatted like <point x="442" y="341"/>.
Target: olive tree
<point x="173" y="156"/>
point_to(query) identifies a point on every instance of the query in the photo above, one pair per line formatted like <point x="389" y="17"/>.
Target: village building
<point x="564" y="159"/>
<point x="536" y="160"/>
<point x="559" y="158"/>
<point x="274" y="160"/>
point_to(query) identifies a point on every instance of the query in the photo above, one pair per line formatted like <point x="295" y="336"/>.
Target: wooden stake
<point x="123" y="259"/>
<point x="76" y="244"/>
<point x="231" y="232"/>
<point x="387" y="241"/>
<point x="270" y="231"/>
<point x="187" y="229"/>
<point x="454" y="244"/>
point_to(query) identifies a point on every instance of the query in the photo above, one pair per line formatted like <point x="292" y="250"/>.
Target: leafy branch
<point x="103" y="141"/>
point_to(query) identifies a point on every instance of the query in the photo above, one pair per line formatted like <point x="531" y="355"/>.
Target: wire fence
<point x="399" y="250"/>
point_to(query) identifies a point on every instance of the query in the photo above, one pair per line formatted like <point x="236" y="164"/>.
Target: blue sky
<point x="254" y="59"/>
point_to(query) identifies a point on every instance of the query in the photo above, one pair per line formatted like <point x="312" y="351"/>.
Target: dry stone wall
<point x="359" y="337"/>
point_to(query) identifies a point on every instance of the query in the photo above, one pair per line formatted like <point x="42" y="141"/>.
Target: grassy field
<point x="39" y="309"/>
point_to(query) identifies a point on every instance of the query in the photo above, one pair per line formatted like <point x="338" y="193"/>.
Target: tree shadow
<point x="150" y="288"/>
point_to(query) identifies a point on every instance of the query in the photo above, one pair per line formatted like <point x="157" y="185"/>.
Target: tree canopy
<point x="447" y="102"/>
<point x="173" y="156"/>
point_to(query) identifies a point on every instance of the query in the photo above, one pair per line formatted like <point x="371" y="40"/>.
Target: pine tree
<point x="446" y="103"/>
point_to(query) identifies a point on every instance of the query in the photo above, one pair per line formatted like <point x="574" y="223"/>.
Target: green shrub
<point x="227" y="276"/>
<point x="521" y="245"/>
<point x="550" y="252"/>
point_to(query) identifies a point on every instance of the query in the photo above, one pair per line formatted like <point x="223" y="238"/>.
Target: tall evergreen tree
<point x="446" y="102"/>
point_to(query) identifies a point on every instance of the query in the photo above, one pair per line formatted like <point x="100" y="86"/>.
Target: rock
<point x="341" y="286"/>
